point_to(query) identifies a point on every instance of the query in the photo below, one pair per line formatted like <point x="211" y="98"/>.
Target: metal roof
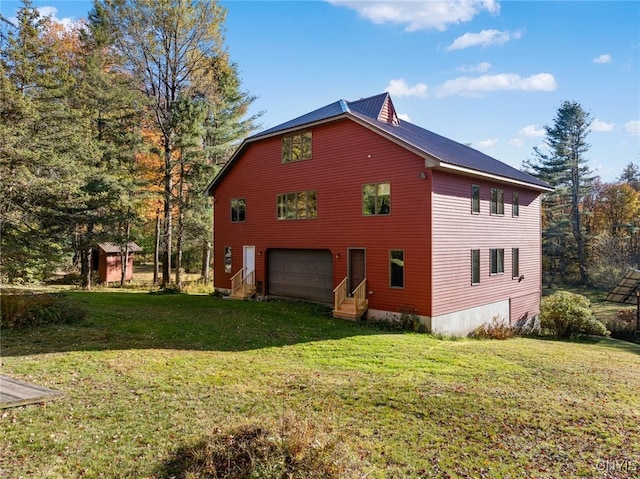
<point x="116" y="248"/>
<point x="442" y="152"/>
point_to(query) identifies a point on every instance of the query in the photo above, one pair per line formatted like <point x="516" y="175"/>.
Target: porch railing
<point x="359" y="295"/>
<point x="339" y="294"/>
<point x="241" y="284"/>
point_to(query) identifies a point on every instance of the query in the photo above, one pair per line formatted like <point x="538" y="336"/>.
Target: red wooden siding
<point x="456" y="231"/>
<point x="345" y="156"/>
<point x="110" y="269"/>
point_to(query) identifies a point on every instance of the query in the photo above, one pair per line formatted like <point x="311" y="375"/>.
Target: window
<point x="475" y="266"/>
<point x="475" y="199"/>
<point x="396" y="268"/>
<point x="497" y="201"/>
<point x="497" y="261"/>
<point x="296" y="147"/>
<point x="515" y="259"/>
<point x="376" y="199"/>
<point x="238" y="209"/>
<point x="515" y="203"/>
<point x="298" y="206"/>
<point x="227" y="259"/>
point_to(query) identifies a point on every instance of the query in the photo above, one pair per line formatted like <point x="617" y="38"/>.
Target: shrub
<point x="23" y="310"/>
<point x="497" y="328"/>
<point x="198" y="287"/>
<point x="623" y="324"/>
<point x="568" y="314"/>
<point x="295" y="448"/>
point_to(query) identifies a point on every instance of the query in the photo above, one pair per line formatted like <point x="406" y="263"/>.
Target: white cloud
<point x="399" y="88"/>
<point x="632" y="127"/>
<point x="532" y="131"/>
<point x="481" y="67"/>
<point x="599" y="125"/>
<point x="404" y="116"/>
<point x="603" y="59"/>
<point x="476" y="86"/>
<point x="517" y="142"/>
<point x="48" y="11"/>
<point x="420" y="15"/>
<point x="487" y="143"/>
<point x="484" y="38"/>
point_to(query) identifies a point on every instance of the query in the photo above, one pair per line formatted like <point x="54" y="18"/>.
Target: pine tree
<point x="563" y="165"/>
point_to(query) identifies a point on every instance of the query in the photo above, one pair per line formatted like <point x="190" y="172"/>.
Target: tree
<point x="40" y="175"/>
<point x="631" y="175"/>
<point x="563" y="165"/>
<point x="166" y="44"/>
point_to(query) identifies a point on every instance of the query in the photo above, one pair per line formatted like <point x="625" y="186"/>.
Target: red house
<point x="350" y="206"/>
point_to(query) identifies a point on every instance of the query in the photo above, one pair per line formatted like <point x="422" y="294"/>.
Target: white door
<point x="249" y="262"/>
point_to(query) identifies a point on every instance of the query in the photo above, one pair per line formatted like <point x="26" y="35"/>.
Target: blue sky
<point x="482" y="72"/>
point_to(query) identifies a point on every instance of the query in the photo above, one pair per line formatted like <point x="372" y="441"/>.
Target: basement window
<point x="475" y="266"/>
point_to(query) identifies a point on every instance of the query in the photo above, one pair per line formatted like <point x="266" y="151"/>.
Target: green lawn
<point x="149" y="374"/>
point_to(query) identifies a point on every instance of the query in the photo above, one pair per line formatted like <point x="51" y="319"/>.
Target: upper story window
<point x="497" y="261"/>
<point x="475" y="199"/>
<point x="515" y="260"/>
<point x="238" y="210"/>
<point x="296" y="147"/>
<point x="376" y="199"/>
<point x="298" y="206"/>
<point x="497" y="201"/>
<point x="515" y="204"/>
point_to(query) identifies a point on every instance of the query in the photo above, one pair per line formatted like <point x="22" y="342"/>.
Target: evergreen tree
<point x="563" y="165"/>
<point x="631" y="175"/>
<point x="175" y="49"/>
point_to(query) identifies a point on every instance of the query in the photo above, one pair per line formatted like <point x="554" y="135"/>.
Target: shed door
<point x="301" y="273"/>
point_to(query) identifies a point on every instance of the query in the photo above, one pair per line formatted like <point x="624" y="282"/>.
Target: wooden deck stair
<point x="350" y="307"/>
<point x="242" y="287"/>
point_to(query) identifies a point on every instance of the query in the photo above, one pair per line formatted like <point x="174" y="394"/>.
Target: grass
<point x="150" y="375"/>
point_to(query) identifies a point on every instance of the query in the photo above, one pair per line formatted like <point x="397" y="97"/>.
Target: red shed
<point x="351" y="206"/>
<point x="110" y="262"/>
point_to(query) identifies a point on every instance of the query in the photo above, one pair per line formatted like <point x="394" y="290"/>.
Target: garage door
<point x="301" y="273"/>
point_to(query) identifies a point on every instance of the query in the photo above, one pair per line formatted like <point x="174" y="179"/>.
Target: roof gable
<point x="379" y="114"/>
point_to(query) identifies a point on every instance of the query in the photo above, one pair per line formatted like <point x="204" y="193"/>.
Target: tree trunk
<point x="124" y="258"/>
<point x="168" y="218"/>
<point x="180" y="239"/>
<point x="577" y="223"/>
<point x="85" y="267"/>
<point x="206" y="261"/>
<point x="156" y="250"/>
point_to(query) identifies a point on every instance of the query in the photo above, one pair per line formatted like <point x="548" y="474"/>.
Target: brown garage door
<point x="301" y="273"/>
